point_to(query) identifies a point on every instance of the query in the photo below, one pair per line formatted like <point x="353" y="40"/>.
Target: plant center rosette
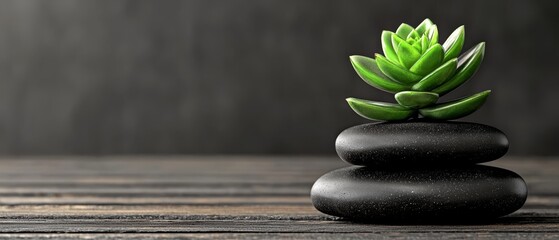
<point x="418" y="70"/>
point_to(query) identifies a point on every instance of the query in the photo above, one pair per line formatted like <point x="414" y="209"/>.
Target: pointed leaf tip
<point x="468" y="64"/>
<point x="368" y="70"/>
<point x="454" y="43"/>
<point x="404" y="30"/>
<point x="424" y="26"/>
<point x="388" y="47"/>
<point x="433" y="35"/>
<point x="457" y="108"/>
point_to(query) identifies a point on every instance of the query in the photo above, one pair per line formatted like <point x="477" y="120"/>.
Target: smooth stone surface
<point x="468" y="194"/>
<point x="421" y="143"/>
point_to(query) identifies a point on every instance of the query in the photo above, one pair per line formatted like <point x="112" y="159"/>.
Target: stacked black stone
<point x="420" y="171"/>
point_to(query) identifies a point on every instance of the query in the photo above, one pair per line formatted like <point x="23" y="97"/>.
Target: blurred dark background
<point x="247" y="77"/>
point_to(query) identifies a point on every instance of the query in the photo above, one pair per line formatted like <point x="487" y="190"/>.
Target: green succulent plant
<point x="419" y="70"/>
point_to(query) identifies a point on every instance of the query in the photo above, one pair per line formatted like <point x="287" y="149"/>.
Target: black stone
<point x="471" y="193"/>
<point x="421" y="143"/>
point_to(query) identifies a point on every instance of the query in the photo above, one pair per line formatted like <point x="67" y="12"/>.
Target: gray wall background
<point x="246" y="76"/>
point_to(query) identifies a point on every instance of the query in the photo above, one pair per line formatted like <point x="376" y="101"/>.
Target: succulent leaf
<point x="413" y="99"/>
<point x="433" y="35"/>
<point x="417" y="45"/>
<point x="407" y="54"/>
<point x="387" y="46"/>
<point x="424" y="26"/>
<point x="457" y="108"/>
<point x="403" y="31"/>
<point x="437" y="77"/>
<point x="380" y="110"/>
<point x="453" y="44"/>
<point x="429" y="61"/>
<point x="396" y="40"/>
<point x="413" y="35"/>
<point x="424" y="44"/>
<point x="368" y="70"/>
<point x="468" y="64"/>
<point x="396" y="72"/>
<point x="464" y="57"/>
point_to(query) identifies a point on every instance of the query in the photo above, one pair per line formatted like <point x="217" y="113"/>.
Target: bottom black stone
<point x="473" y="193"/>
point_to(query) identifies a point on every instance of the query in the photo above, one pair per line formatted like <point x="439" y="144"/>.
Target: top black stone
<point x="421" y="143"/>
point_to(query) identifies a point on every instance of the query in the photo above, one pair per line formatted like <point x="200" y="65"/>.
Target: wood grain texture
<point x="204" y="197"/>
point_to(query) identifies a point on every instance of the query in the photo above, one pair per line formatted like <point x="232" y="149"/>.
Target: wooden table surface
<point x="223" y="198"/>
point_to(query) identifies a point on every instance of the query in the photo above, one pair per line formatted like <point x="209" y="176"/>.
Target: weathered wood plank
<point x="87" y="211"/>
<point x="132" y="200"/>
<point x="275" y="236"/>
<point x="222" y="198"/>
<point x="531" y="224"/>
<point x="226" y="211"/>
<point x="536" y="202"/>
